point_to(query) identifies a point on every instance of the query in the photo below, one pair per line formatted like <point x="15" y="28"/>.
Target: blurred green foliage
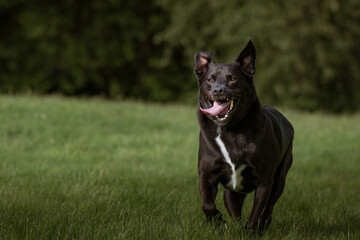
<point x="307" y="51"/>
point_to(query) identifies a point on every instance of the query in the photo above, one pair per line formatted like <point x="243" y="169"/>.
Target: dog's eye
<point x="231" y="78"/>
<point x="210" y="80"/>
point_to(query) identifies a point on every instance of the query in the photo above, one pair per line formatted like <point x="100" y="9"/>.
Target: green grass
<point x="92" y="169"/>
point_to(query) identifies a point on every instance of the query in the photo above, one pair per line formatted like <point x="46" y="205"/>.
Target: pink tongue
<point x="216" y="109"/>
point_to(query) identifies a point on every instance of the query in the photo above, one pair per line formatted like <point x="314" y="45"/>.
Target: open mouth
<point x="221" y="109"/>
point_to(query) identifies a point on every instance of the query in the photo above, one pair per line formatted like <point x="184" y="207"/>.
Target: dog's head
<point x="226" y="90"/>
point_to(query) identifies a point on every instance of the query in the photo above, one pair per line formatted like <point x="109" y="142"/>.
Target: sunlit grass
<point x="93" y="169"/>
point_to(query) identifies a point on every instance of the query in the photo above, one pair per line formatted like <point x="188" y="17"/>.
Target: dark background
<point x="308" y="54"/>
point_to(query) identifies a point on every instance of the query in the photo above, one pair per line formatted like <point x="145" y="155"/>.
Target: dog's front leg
<point x="208" y="193"/>
<point x="262" y="194"/>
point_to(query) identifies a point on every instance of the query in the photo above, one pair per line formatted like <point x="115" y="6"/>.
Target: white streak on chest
<point x="236" y="178"/>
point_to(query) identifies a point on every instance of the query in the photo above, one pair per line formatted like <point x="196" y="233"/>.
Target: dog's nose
<point x="218" y="90"/>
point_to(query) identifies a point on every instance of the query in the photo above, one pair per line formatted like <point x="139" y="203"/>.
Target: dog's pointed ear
<point x="202" y="61"/>
<point x="246" y="59"/>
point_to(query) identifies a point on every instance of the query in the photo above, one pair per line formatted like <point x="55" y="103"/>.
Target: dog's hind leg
<point x="278" y="188"/>
<point x="233" y="203"/>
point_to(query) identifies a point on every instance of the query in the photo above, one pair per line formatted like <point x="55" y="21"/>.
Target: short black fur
<point x="258" y="140"/>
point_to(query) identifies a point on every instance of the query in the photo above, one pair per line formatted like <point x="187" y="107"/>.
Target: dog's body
<point x="243" y="145"/>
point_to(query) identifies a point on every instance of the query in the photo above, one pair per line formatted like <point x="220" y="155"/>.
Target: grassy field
<point x="92" y="169"/>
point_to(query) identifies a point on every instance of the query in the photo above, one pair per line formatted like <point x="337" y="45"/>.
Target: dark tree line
<point x="308" y="54"/>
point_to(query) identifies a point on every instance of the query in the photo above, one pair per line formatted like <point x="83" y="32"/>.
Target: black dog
<point x="243" y="145"/>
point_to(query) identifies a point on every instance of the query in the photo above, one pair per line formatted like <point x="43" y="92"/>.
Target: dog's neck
<point x="249" y="114"/>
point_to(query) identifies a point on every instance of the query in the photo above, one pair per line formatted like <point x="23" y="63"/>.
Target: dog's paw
<point x="254" y="228"/>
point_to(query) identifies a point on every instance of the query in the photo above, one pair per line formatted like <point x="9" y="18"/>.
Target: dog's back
<point x="283" y="129"/>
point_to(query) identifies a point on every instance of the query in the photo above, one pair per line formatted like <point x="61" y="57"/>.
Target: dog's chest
<point x="238" y="179"/>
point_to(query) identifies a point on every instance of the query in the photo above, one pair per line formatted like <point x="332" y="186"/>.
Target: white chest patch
<point x="236" y="178"/>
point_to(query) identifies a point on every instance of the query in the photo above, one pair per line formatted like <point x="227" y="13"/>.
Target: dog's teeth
<point x="231" y="104"/>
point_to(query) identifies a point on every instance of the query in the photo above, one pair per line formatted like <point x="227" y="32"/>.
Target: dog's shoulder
<point x="278" y="119"/>
<point x="282" y="128"/>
